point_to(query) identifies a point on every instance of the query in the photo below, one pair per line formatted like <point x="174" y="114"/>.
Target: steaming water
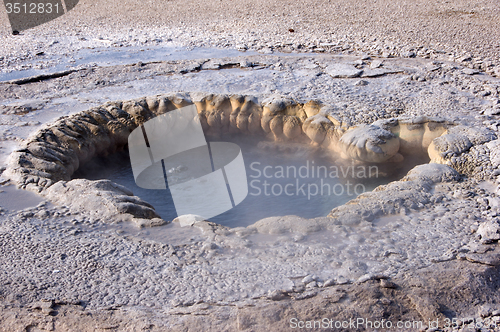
<point x="270" y="171"/>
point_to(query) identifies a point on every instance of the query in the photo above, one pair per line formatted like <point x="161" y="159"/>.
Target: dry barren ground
<point x="467" y="32"/>
<point x="469" y="28"/>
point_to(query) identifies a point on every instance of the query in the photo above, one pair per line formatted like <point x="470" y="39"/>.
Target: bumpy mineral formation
<point x="369" y="143"/>
<point x="47" y="159"/>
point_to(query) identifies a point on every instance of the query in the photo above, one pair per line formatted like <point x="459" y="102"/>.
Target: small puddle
<point x="488" y="186"/>
<point x="387" y="220"/>
<point x="14" y="199"/>
<point x="172" y="233"/>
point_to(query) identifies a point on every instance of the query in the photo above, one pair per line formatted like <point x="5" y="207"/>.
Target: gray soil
<point x="456" y="30"/>
<point x="434" y="257"/>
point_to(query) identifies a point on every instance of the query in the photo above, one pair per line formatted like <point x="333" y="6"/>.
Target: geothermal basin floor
<point x="424" y="263"/>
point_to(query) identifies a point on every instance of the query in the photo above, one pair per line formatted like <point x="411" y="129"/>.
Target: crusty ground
<point x="458" y="25"/>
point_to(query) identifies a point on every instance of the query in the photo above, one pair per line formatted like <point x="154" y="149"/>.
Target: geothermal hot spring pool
<point x="283" y="179"/>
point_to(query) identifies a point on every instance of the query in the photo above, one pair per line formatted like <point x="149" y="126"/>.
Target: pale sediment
<point x="419" y="248"/>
